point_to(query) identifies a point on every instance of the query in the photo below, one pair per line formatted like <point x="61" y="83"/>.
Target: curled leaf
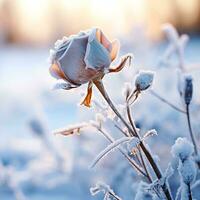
<point x="71" y="130"/>
<point x="87" y="99"/>
<point x="122" y="64"/>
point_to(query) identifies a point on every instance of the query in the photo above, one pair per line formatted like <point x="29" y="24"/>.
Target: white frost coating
<point x="99" y="118"/>
<point x="133" y="144"/>
<point x="126" y="90"/>
<point x="149" y="133"/>
<point x="187" y="169"/>
<point x="182" y="148"/>
<point x="107" y="191"/>
<point x="64" y="86"/>
<point x="170" y="32"/>
<point x="144" y="80"/>
<point x="142" y="192"/>
<point x="109" y="148"/>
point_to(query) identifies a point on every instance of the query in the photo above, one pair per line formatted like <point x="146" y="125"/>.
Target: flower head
<point x="144" y="80"/>
<point x="83" y="58"/>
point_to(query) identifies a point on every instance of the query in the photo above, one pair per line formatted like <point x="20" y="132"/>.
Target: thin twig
<point x="192" y="136"/>
<point x="144" y="165"/>
<point x="140" y="153"/>
<point x="148" y="155"/>
<point x="116" y="197"/>
<point x="167" y="102"/>
<point x="133" y="164"/>
<point x="189" y="192"/>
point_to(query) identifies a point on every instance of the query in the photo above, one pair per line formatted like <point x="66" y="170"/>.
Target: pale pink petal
<point x="115" y="49"/>
<point x="103" y="40"/>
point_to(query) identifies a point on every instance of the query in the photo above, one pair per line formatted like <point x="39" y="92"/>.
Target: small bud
<point x="144" y="80"/>
<point x="188" y="89"/>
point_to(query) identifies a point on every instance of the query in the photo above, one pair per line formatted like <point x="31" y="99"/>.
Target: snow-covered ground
<point x="35" y="164"/>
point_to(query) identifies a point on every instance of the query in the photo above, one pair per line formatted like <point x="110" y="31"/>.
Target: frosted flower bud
<point x="182" y="149"/>
<point x="144" y="80"/>
<point x="188" y="89"/>
<point x="187" y="169"/>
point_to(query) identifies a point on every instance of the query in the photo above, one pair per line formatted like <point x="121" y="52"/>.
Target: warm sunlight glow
<point x="44" y="20"/>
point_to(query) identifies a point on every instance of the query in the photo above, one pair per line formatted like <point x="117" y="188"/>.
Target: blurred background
<point x="34" y="163"/>
<point x="42" y="21"/>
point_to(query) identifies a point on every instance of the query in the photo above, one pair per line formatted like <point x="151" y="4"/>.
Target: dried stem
<point x="140" y="153"/>
<point x="192" y="136"/>
<point x="133" y="164"/>
<point x="167" y="102"/>
<point x="114" y="196"/>
<point x="100" y="86"/>
<point x="189" y="192"/>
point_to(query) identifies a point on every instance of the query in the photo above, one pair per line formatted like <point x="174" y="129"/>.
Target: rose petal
<point x="115" y="49"/>
<point x="73" y="59"/>
<point x="56" y="72"/>
<point x="97" y="57"/>
<point x="103" y="40"/>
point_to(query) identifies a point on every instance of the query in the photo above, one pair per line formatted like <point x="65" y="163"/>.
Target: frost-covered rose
<point x="83" y="58"/>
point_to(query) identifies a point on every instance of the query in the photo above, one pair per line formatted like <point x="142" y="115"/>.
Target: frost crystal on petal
<point x="144" y="80"/>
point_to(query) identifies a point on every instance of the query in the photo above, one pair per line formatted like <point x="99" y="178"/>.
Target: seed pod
<point x="188" y="90"/>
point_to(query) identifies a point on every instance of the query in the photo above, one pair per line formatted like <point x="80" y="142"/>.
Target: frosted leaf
<point x="187" y="170"/>
<point x="182" y="148"/>
<point x="149" y="133"/>
<point x="107" y="191"/>
<point x="144" y="80"/>
<point x="71" y="129"/>
<point x="108" y="149"/>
